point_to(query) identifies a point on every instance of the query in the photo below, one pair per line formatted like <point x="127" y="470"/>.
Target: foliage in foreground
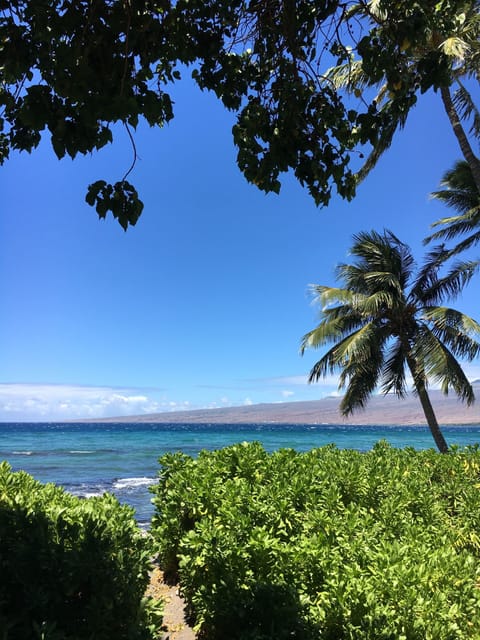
<point x="70" y="568"/>
<point x="329" y="544"/>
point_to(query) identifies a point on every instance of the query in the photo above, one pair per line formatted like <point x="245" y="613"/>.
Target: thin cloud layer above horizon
<point x="53" y="403"/>
<point x="50" y="403"/>
<point x="204" y="303"/>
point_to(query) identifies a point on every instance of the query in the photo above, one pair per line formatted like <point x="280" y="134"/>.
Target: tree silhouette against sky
<point x="387" y="320"/>
<point x="461" y="194"/>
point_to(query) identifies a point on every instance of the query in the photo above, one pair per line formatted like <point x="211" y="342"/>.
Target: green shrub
<point x="70" y="568"/>
<point x="326" y="545"/>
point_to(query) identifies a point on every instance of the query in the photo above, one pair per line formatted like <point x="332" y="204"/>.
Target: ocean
<point x="90" y="459"/>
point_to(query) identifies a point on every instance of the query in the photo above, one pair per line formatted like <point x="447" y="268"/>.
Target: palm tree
<point x="387" y="318"/>
<point x="462" y="195"/>
<point x="460" y="46"/>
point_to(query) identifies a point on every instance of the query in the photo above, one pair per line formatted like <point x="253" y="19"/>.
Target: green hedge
<point x="70" y="568"/>
<point x="326" y="545"/>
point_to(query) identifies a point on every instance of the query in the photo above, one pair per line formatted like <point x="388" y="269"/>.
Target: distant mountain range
<point x="381" y="410"/>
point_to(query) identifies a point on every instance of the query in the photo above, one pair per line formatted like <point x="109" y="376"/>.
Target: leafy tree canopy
<point x="70" y="69"/>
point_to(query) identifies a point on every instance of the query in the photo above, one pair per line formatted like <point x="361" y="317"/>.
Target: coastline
<point x="381" y="410"/>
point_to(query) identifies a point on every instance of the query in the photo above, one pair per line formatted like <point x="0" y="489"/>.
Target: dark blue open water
<point x="89" y="459"/>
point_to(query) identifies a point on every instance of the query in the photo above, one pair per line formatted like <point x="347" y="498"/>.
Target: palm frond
<point x="349" y="76"/>
<point x="466" y="222"/>
<point x="362" y="369"/>
<point x="462" y="195"/>
<point x="455" y="47"/>
<point x="358" y="347"/>
<point x="316" y="338"/>
<point x="459" y="331"/>
<point x="460" y="192"/>
<point x="353" y="350"/>
<point x="326" y="296"/>
<point x="336" y="322"/>
<point x="375" y="305"/>
<point x="456" y="226"/>
<point x="381" y="252"/>
<point x="448" y="317"/>
<point x="397" y="118"/>
<point x="442" y="367"/>
<point x="427" y="277"/>
<point x="331" y="361"/>
<point x="460" y="200"/>
<point x="368" y="277"/>
<point x="469" y="242"/>
<point x="451" y="285"/>
<point x="384" y="283"/>
<point x="353" y="277"/>
<point x="461" y="345"/>
<point x="327" y="364"/>
<point x="330" y="330"/>
<point x="459" y="177"/>
<point x="467" y="109"/>
<point x="382" y="144"/>
<point x="393" y="371"/>
<point x="362" y="384"/>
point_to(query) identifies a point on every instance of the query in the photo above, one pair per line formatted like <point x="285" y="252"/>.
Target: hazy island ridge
<point x="381" y="410"/>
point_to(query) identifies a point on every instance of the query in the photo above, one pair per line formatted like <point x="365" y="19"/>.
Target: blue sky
<point x="204" y="302"/>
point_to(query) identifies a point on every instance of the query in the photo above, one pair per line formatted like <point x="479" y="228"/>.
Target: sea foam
<point x="132" y="483"/>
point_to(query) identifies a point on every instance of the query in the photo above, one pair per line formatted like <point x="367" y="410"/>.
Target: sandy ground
<point x="175" y="627"/>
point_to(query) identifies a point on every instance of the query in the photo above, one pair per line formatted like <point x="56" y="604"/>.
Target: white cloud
<point x="288" y="380"/>
<point x="55" y="403"/>
<point x="44" y="402"/>
<point x="302" y="381"/>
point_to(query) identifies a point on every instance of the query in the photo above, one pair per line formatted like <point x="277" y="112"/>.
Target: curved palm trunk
<point x="431" y="418"/>
<point x="460" y="134"/>
<point x="427" y="408"/>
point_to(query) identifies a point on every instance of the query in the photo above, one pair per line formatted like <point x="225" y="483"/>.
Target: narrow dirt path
<point x="173" y="619"/>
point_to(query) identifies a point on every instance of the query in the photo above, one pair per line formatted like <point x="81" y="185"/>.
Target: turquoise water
<point x="89" y="459"/>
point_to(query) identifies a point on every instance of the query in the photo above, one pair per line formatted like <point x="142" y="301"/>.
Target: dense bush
<point x="70" y="568"/>
<point x="327" y="545"/>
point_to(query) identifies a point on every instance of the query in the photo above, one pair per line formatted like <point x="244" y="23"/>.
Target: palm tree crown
<point x="387" y="318"/>
<point x="461" y="194"/>
<point x="459" y="43"/>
